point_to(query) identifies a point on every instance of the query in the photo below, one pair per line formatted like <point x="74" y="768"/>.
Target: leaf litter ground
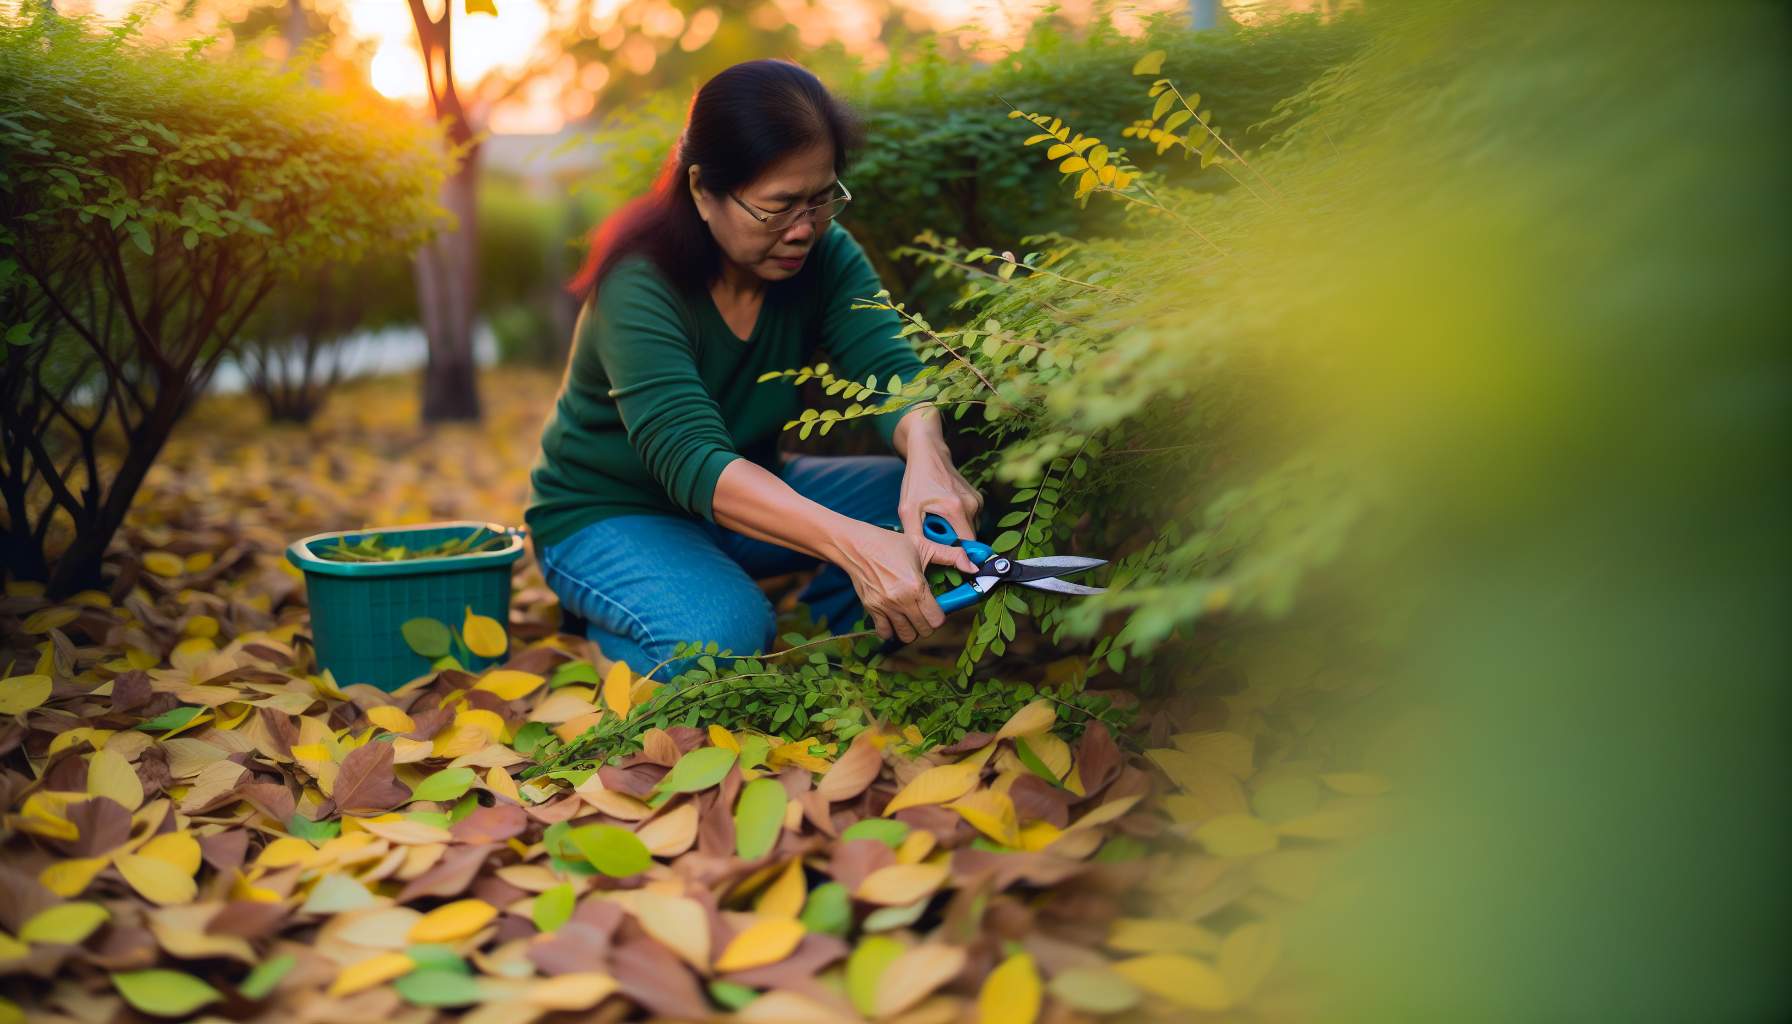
<point x="200" y="826"/>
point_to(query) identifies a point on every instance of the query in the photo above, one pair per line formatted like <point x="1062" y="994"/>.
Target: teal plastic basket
<point x="358" y="609"/>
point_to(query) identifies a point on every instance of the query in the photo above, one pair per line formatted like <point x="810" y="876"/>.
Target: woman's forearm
<point x="751" y="500"/>
<point x="921" y="432"/>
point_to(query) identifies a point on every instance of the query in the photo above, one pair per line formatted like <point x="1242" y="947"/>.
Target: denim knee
<point x="738" y="619"/>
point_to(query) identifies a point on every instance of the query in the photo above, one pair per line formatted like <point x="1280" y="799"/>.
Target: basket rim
<point x="299" y="552"/>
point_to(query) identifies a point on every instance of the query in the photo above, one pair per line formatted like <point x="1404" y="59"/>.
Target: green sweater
<point x="660" y="394"/>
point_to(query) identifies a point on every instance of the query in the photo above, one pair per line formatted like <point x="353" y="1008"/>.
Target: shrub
<point x="150" y="199"/>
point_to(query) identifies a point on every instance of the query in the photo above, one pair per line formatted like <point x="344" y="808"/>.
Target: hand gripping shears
<point x="1040" y="572"/>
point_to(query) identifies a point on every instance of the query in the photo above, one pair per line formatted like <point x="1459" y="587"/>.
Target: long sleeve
<point x="649" y="359"/>
<point x="862" y="342"/>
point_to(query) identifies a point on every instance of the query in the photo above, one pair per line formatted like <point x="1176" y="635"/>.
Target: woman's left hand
<point x="932" y="484"/>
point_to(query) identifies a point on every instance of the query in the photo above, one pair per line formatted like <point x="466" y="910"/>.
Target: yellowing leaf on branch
<point x="1150" y="64"/>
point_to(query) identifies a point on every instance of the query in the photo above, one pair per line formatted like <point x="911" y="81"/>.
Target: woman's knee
<point x="737" y="619"/>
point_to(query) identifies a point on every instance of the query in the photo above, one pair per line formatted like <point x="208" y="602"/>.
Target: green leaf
<point x="885" y="919"/>
<point x="447" y="784"/>
<point x="65" y="923"/>
<point x="164" y="993"/>
<point x="731" y="995"/>
<point x="266" y="975"/>
<point x="436" y="956"/>
<point x="553" y="908"/>
<point x="1033" y="762"/>
<point x="312" y="831"/>
<point x="18" y="334"/>
<point x="886" y="830"/>
<point x="616" y="852"/>
<point x="759" y="818"/>
<point x="427" y="637"/>
<point x="865" y="967"/>
<point x="697" y="770"/>
<point x="573" y="672"/>
<point x="529" y="737"/>
<point x="140" y="236"/>
<point x="439" y="988"/>
<point x="173" y="718"/>
<point x="828" y="910"/>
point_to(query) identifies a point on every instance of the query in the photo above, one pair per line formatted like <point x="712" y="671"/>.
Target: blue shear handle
<point x="935" y="528"/>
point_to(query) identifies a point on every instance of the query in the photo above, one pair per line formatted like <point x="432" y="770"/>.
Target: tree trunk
<point x="447" y="281"/>
<point x="78" y="567"/>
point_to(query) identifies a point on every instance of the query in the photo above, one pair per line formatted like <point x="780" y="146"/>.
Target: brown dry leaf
<point x="678" y="923"/>
<point x="366" y="784"/>
<point x="853" y="772"/>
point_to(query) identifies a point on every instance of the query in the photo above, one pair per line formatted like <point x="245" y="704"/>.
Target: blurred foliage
<point x="527" y="251"/>
<point x="939" y="147"/>
<point x="152" y="199"/>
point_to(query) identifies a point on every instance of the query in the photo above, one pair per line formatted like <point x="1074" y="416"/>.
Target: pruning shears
<point x="1041" y="572"/>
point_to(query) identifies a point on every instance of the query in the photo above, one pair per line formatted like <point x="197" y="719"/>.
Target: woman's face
<point x="802" y="179"/>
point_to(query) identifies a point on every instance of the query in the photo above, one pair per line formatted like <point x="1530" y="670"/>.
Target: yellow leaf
<point x="1182" y="980"/>
<point x="372" y="971"/>
<point x="1236" y="835"/>
<point x="483" y="635"/>
<point x="284" y="853"/>
<point x="721" y="737"/>
<point x="199" y="561"/>
<point x="901" y="884"/>
<point x="70" y="878"/>
<point x="165" y="564"/>
<point x="66" y="923"/>
<point x="915" y="846"/>
<point x="785" y="896"/>
<point x="203" y="626"/>
<point x="991" y="813"/>
<point x="391" y="719"/>
<point x="19" y="694"/>
<point x="110" y="775"/>
<point x="11" y="949"/>
<point x="1072" y="165"/>
<point x="453" y="921"/>
<point x="43" y="621"/>
<point x="766" y="942"/>
<point x="1247" y="956"/>
<point x="937" y="785"/>
<point x="1356" y="783"/>
<point x="157" y="880"/>
<point x="1036" y="717"/>
<point x="177" y="848"/>
<point x="571" y="992"/>
<point x="1153" y="935"/>
<point x="499" y="781"/>
<point x="473" y="729"/>
<point x="1105" y="813"/>
<point x="1150" y="64"/>
<point x="797" y="752"/>
<point x="1038" y="835"/>
<point x="510" y="684"/>
<point x="616" y="689"/>
<point x="1011" y="994"/>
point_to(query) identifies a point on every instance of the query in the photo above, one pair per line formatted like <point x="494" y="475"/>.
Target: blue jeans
<point x="643" y="583"/>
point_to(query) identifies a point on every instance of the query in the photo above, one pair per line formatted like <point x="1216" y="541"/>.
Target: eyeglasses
<point x="783" y="219"/>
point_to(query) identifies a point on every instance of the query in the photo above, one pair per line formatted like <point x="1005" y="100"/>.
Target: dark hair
<point x="740" y="122"/>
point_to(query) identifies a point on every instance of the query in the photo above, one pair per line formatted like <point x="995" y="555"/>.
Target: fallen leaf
<point x="68" y="923"/>
<point x="765" y="942"/>
<point x="937" y="785"/>
<point x="453" y="921"/>
<point x="758" y="817"/>
<point x="110" y="775"/>
<point x="1036" y="717"/>
<point x="483" y="635"/>
<point x="157" y="880"/>
<point x="164" y="993"/>
<point x="375" y="970"/>
<point x="616" y="689"/>
<point x="1011" y="994"/>
<point x="509" y="684"/>
<point x="571" y="992"/>
<point x="365" y="784"/>
<point x="853" y="772"/>
<point x="1182" y="980"/>
<point x="914" y="975"/>
<point x="901" y="883"/>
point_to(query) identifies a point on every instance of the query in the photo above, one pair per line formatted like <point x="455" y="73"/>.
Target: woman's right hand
<point x="888" y="569"/>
